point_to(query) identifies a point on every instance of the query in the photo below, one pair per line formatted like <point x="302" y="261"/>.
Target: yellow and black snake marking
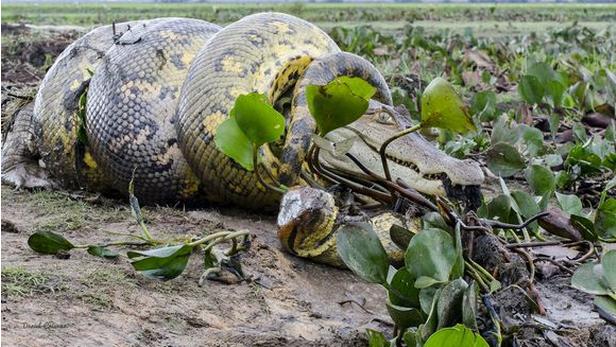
<point x="131" y="103"/>
<point x="260" y="53"/>
<point x="156" y="92"/>
<point x="56" y="121"/>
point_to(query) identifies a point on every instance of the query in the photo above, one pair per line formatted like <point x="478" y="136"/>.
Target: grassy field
<point x="488" y="19"/>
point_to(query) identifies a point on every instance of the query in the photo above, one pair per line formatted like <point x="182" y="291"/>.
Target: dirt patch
<point x="84" y="300"/>
<point x="27" y="53"/>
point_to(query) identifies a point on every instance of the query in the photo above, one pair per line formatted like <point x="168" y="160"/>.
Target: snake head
<point x="306" y="222"/>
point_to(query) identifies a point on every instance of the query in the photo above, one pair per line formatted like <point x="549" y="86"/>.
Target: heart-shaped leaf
<point x="569" y="203"/>
<point x="504" y="160"/>
<point x="361" y="251"/>
<point x="431" y="254"/>
<point x="404" y="317"/>
<point x="484" y="105"/>
<point x="339" y="103"/>
<point x="402" y="291"/>
<point x="585" y="227"/>
<point x="541" y="179"/>
<point x="608" y="262"/>
<point x="48" y="242"/>
<point x="257" y="118"/>
<point x="449" y="305"/>
<point x="457" y="336"/>
<point x="161" y="263"/>
<point x="376" y="339"/>
<point x="607" y="304"/>
<point x="588" y="278"/>
<point x="531" y="90"/>
<point x="469" y="307"/>
<point x="441" y="107"/>
<point x="232" y="141"/>
<point x="605" y="221"/>
<point x="103" y="252"/>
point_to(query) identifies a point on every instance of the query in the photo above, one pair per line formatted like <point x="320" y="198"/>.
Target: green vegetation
<point x="162" y="263"/>
<point x="503" y="18"/>
<point x="18" y="281"/>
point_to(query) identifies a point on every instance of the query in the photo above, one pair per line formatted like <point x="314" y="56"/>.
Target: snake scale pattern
<point x="143" y="100"/>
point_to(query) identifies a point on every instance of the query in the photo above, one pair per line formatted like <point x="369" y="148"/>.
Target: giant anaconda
<point x="156" y="92"/>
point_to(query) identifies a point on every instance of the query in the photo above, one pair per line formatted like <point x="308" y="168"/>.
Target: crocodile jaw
<point x="412" y="158"/>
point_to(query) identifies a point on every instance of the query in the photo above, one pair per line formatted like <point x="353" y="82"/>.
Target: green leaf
<point x="402" y="291"/>
<point x="469" y="307"/>
<point x="410" y="338"/>
<point x="541" y="179"/>
<point x="257" y="118"/>
<point x="531" y="90"/>
<point x="556" y="91"/>
<point x="528" y="207"/>
<point x="426" y="298"/>
<point x="48" y="242"/>
<point x="484" y="105"/>
<point x="587" y="278"/>
<point x="103" y="252"/>
<point x="426" y="281"/>
<point x="358" y="86"/>
<point x="404" y="317"/>
<point x="499" y="207"/>
<point x="605" y="220"/>
<point x="400" y="236"/>
<point x="458" y="336"/>
<point x="376" y="339"/>
<point x="339" y="103"/>
<point x="606" y="303"/>
<point x="441" y="107"/>
<point x="232" y="141"/>
<point x="542" y="71"/>
<point x="504" y="160"/>
<point x="589" y="162"/>
<point x="457" y="270"/>
<point x="585" y="227"/>
<point x="362" y="252"/>
<point x="579" y="130"/>
<point x="608" y="262"/>
<point x="432" y="254"/>
<point x="503" y="131"/>
<point x="161" y="263"/>
<point x="429" y="327"/>
<point x="449" y="305"/>
<point x="533" y="139"/>
<point x="569" y="203"/>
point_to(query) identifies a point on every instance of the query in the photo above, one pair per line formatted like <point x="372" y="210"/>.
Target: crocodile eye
<point x="384" y="118"/>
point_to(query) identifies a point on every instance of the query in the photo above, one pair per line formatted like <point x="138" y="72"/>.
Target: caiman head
<point x="412" y="158"/>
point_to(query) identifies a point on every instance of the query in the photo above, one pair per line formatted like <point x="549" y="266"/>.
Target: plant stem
<point x="255" y="164"/>
<point x="390" y="140"/>
<point x="146" y="232"/>
<point x="223" y="235"/>
<point x="119" y="243"/>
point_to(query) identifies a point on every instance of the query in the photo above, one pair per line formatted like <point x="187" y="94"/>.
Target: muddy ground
<point x="84" y="300"/>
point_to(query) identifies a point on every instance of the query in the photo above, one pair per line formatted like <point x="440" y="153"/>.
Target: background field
<point x="485" y="19"/>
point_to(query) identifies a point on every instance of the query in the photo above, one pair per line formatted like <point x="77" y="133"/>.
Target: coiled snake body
<point x="157" y="90"/>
